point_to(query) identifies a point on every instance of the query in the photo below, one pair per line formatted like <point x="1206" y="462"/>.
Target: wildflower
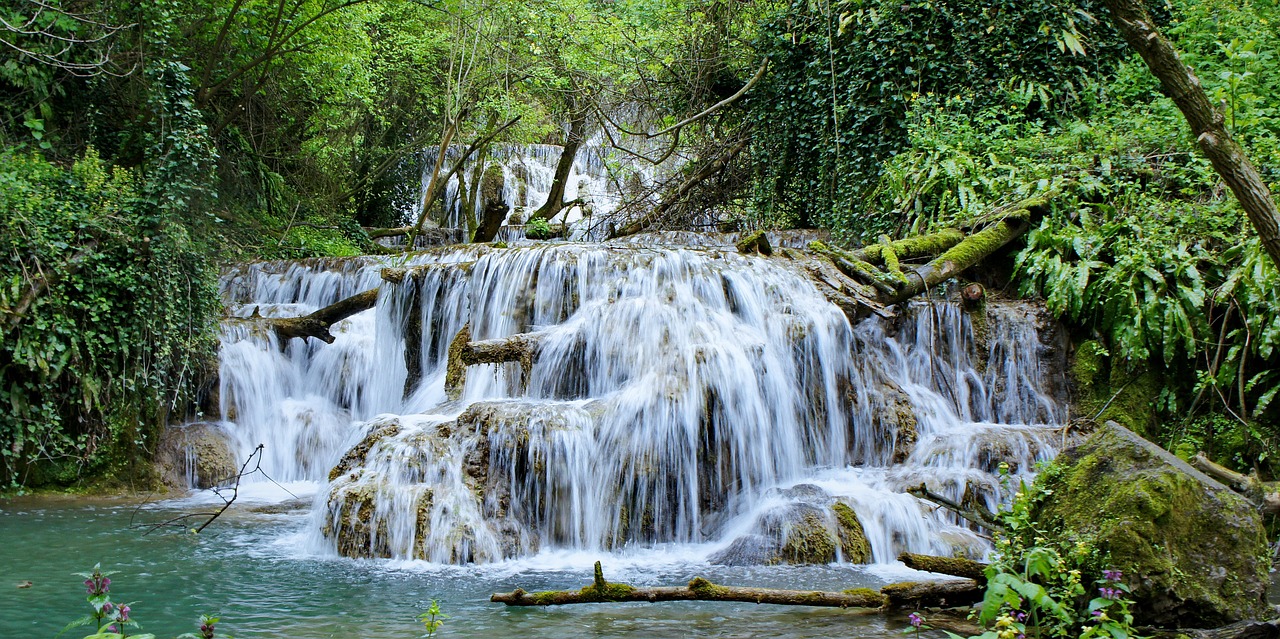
<point x="915" y="620"/>
<point x="1097" y="613"/>
<point x="124" y="613"/>
<point x="1109" y="593"/>
<point x="1004" y="621"/>
<point x="1020" y="616"/>
<point x="1112" y="575"/>
<point x="106" y="607"/>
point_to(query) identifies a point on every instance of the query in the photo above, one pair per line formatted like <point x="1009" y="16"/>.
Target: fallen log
<point x="1249" y="629"/>
<point x="699" y="589"/>
<point x="857" y="268"/>
<point x="954" y="566"/>
<point x="959" y="258"/>
<point x="1265" y="494"/>
<point x="521" y="348"/>
<point x="317" y="324"/>
<point x="912" y="247"/>
<point x="929" y="594"/>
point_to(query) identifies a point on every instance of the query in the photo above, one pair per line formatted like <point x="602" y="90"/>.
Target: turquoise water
<point x="250" y="569"/>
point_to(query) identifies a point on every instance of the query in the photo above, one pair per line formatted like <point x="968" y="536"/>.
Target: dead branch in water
<point x="316" y="324"/>
<point x="699" y="589"/>
<point x="181" y="521"/>
<point x="904" y="595"/>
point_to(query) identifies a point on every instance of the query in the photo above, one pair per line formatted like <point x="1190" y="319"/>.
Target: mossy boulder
<point x="813" y="529"/>
<point x="1194" y="553"/>
<point x="195" y="455"/>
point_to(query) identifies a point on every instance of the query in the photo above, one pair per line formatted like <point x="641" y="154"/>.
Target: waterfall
<point x="689" y="398"/>
<point x="598" y="180"/>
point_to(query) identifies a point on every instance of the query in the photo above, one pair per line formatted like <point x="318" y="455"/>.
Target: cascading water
<point x="597" y="181"/>
<point x="697" y="399"/>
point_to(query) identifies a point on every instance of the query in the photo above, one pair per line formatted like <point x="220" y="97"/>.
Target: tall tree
<point x="1207" y="123"/>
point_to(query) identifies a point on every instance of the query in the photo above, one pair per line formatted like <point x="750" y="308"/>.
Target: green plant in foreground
<point x="113" y="620"/>
<point x="110" y="620"/>
<point x="432" y="619"/>
<point x="1034" y="585"/>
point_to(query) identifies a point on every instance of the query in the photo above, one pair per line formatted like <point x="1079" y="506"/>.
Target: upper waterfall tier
<point x="692" y="397"/>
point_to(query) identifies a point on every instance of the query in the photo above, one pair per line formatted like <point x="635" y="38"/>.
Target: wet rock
<point x="289" y="506"/>
<point x="195" y="456"/>
<point x="813" y="529"/>
<point x="1194" y="553"/>
<point x="854" y="546"/>
<point x="747" y="550"/>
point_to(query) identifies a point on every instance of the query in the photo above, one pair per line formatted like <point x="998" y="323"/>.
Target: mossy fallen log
<point x="857" y="268"/>
<point x="699" y="589"/>
<point x="316" y="324"/>
<point x="894" y="596"/>
<point x="909" y="248"/>
<point x="954" y="566"/>
<point x="928" y="594"/>
<point x="521" y="348"/>
<point x="959" y="258"/>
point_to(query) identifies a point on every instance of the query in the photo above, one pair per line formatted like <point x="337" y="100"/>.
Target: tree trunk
<point x="521" y="348"/>
<point x="960" y="257"/>
<point x="707" y="170"/>
<point x="494" y="209"/>
<point x="1265" y="494"/>
<point x="317" y="324"/>
<point x="902" y="595"/>
<point x="555" y="199"/>
<point x="1180" y="84"/>
<point x="928" y="594"/>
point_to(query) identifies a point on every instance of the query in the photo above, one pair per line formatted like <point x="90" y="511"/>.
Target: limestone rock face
<point x="195" y="456"/>
<point x="1194" y="553"/>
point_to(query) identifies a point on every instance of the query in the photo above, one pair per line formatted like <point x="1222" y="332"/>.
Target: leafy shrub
<point x="844" y="75"/>
<point x="107" y="307"/>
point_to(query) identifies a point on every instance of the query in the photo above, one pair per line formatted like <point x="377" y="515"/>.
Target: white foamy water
<point x="683" y="404"/>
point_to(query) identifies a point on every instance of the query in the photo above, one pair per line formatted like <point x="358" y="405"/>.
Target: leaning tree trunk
<point x="555" y="199"/>
<point x="1228" y="159"/>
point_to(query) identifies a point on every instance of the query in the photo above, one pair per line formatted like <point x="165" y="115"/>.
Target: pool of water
<point x="251" y="569"/>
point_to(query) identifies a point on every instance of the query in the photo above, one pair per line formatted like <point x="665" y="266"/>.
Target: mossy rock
<point x="210" y="462"/>
<point x="1194" y="553"/>
<point x="854" y="546"/>
<point x="808" y="539"/>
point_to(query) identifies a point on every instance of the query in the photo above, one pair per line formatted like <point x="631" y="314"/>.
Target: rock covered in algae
<point x="1194" y="553"/>
<point x="199" y="454"/>
<point x="813" y="529"/>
